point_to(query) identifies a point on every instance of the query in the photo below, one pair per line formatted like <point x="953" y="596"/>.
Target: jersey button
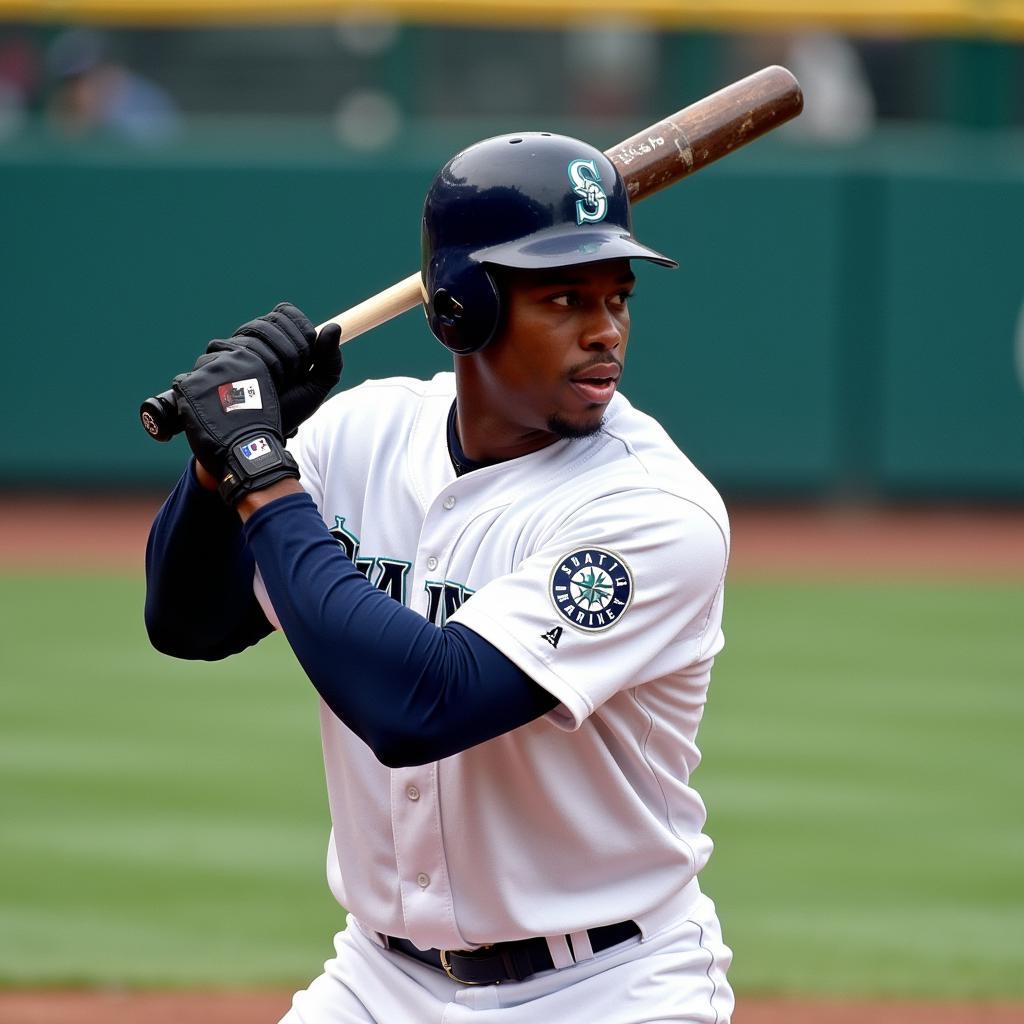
<point x="422" y="880"/>
<point x="449" y="502"/>
<point x="431" y="563"/>
<point x="412" y="793"/>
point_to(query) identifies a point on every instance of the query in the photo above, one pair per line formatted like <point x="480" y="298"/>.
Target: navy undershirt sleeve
<point x="199" y="598"/>
<point x="412" y="691"/>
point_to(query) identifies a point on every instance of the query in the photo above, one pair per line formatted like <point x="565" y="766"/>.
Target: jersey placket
<point x="427" y="903"/>
<point x="419" y="853"/>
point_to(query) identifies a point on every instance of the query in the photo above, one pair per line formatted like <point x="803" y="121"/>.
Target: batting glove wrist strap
<point x="254" y="463"/>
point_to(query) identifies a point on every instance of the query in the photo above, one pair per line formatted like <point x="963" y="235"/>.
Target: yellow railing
<point x="997" y="19"/>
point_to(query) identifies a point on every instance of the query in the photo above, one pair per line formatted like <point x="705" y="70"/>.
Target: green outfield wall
<point x="844" y="323"/>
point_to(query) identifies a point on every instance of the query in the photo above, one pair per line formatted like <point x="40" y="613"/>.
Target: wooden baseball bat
<point x="649" y="161"/>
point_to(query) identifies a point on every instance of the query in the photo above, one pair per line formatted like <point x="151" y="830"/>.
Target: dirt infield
<point x="105" y="533"/>
<point x="267" y="1008"/>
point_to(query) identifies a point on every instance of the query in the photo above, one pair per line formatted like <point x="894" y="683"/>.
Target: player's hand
<point x="233" y="422"/>
<point x="303" y="366"/>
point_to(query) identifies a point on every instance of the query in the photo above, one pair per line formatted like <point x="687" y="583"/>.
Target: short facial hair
<point x="566" y="430"/>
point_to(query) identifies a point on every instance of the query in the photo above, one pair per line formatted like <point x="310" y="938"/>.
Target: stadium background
<point x="844" y="345"/>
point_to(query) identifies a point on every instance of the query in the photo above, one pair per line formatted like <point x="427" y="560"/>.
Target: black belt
<point x="506" y="961"/>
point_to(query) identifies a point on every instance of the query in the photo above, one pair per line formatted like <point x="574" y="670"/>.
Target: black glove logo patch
<point x="243" y="394"/>
<point x="255" y="449"/>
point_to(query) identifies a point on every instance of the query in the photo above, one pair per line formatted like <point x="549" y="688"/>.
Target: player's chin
<point x="565" y="425"/>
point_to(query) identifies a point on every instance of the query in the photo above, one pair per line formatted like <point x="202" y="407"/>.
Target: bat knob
<point x="159" y="416"/>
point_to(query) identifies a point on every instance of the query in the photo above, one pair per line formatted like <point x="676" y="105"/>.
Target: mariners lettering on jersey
<point x="391" y="572"/>
<point x="591" y="588"/>
<point x="445" y="599"/>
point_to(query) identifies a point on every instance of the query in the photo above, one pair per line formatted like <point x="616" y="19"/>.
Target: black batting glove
<point x="233" y="422"/>
<point x="303" y="366"/>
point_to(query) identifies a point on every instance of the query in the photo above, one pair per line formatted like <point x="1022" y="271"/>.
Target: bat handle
<point x="160" y="417"/>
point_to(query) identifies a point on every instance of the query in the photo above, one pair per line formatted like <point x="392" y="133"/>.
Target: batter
<point x="506" y="585"/>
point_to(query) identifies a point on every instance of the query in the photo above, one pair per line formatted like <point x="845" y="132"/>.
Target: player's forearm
<point x="204" y="477"/>
<point x="413" y="692"/>
<point x="199" y="598"/>
<point x="250" y="503"/>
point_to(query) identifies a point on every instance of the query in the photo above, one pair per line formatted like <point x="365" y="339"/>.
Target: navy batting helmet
<point x="527" y="202"/>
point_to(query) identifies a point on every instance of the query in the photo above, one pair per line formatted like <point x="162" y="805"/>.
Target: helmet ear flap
<point x="464" y="316"/>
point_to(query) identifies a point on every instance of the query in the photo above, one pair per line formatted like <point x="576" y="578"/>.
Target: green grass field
<point x="164" y="823"/>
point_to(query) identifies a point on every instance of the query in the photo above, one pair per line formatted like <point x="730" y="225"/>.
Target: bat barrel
<point x="707" y="130"/>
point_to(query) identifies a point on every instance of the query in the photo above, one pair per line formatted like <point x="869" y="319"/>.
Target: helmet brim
<point x="564" y="246"/>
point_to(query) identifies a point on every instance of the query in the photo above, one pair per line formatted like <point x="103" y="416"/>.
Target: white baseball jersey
<point x="597" y="565"/>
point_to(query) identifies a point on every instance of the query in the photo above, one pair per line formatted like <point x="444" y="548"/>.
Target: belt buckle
<point x="447" y="967"/>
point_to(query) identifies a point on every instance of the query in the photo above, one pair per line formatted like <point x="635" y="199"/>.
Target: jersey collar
<point x="461" y="462"/>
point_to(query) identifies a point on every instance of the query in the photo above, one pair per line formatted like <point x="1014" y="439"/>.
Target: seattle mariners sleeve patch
<point x="591" y="588"/>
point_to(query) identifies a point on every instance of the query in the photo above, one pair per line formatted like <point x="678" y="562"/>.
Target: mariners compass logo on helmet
<point x="592" y="205"/>
<point x="591" y="588"/>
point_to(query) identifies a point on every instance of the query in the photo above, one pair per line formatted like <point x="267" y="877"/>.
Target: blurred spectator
<point x="94" y="95"/>
<point x="839" y="102"/>
<point x="839" y="105"/>
<point x="612" y="66"/>
<point x="19" y="78"/>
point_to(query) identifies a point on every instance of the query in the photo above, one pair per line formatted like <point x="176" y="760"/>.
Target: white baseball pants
<point x="678" y="975"/>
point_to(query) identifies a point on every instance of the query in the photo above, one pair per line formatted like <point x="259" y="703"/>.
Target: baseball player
<point x="506" y="585"/>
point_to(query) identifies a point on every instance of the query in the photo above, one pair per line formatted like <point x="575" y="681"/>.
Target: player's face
<point x="555" y="365"/>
